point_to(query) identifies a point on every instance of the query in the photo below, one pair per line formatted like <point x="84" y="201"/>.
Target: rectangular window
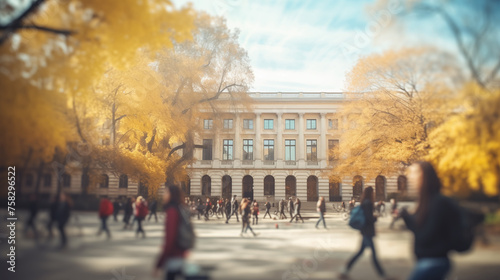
<point x="227" y="151"/>
<point x="312" y="150"/>
<point x="290" y="149"/>
<point x="269" y="149"/>
<point x="289" y="124"/>
<point x="207" y="149"/>
<point x="311" y="124"/>
<point x="333" y="149"/>
<point x="228" y="123"/>
<point x="247" y="149"/>
<point x="47" y="180"/>
<point x="268" y="124"/>
<point x="208" y="124"/>
<point x="333" y="124"/>
<point x="247" y="124"/>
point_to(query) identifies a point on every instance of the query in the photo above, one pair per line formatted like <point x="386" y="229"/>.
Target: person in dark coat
<point x="268" y="208"/>
<point x="199" y="208"/>
<point x="208" y="206"/>
<point x="63" y="214"/>
<point x="282" y="209"/>
<point x="255" y="212"/>
<point x="321" y="208"/>
<point x="30" y="224"/>
<point x="236" y="207"/>
<point x="227" y="210"/>
<point x="368" y="232"/>
<point x="290" y="206"/>
<point x="116" y="209"/>
<point x="245" y="216"/>
<point x="297" y="214"/>
<point x="152" y="210"/>
<point x="128" y="211"/>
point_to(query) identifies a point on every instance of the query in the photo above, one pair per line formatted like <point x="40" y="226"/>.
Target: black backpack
<point x="186" y="237"/>
<point x="465" y="225"/>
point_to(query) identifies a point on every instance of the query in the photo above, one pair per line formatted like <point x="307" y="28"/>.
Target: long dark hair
<point x="176" y="196"/>
<point x="431" y="186"/>
<point x="367" y="194"/>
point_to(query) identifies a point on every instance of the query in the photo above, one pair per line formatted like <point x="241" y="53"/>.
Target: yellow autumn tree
<point x="393" y="100"/>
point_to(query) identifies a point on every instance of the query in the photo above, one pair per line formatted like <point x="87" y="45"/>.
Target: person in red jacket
<point x="105" y="210"/>
<point x="172" y="256"/>
<point x="141" y="208"/>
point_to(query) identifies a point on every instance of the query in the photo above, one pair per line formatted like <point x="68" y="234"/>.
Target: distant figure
<point x="268" y="207"/>
<point x="134" y="212"/>
<point x="235" y="205"/>
<point x="380" y="207"/>
<point x="199" y="208"/>
<point x="352" y="203"/>
<point x="172" y="255"/>
<point x="282" y="209"/>
<point x="30" y="224"/>
<point x="368" y="232"/>
<point x="227" y="210"/>
<point x="116" y="209"/>
<point x="321" y="208"/>
<point x="245" y="217"/>
<point x="394" y="212"/>
<point x="63" y="213"/>
<point x="432" y="224"/>
<point x="342" y="206"/>
<point x="208" y="206"/>
<point x="141" y="207"/>
<point x="290" y="206"/>
<point x="296" y="213"/>
<point x="52" y="215"/>
<point x="128" y="211"/>
<point x="255" y="212"/>
<point x="106" y="209"/>
<point x="153" y="208"/>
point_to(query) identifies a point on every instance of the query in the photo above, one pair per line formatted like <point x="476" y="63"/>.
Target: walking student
<point x="290" y="206"/>
<point x="172" y="255"/>
<point x="297" y="215"/>
<point x="268" y="207"/>
<point x="30" y="224"/>
<point x="63" y="213"/>
<point x="282" y="209"/>
<point x="367" y="232"/>
<point x="141" y="208"/>
<point x="321" y="208"/>
<point x="236" y="207"/>
<point x="116" y="209"/>
<point x="432" y="224"/>
<point x="227" y="210"/>
<point x="255" y="213"/>
<point x="245" y="217"/>
<point x="128" y="212"/>
<point x="152" y="210"/>
<point x="208" y="206"/>
<point x="106" y="209"/>
<point x="52" y="215"/>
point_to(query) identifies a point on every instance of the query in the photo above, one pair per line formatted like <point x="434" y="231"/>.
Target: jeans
<point x="321" y="218"/>
<point x="104" y="226"/>
<point x="367" y="242"/>
<point x="431" y="269"/>
<point x="174" y="267"/>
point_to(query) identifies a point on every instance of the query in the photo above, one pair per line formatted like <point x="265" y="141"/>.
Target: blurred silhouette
<point x="227" y="210"/>
<point x="52" y="215"/>
<point x="268" y="207"/>
<point x="281" y="206"/>
<point x="255" y="212"/>
<point x="62" y="215"/>
<point x="141" y="209"/>
<point x="245" y="216"/>
<point x="297" y="215"/>
<point x="116" y="208"/>
<point x="153" y="208"/>
<point x="30" y="224"/>
<point x="128" y="211"/>
<point x="235" y="206"/>
<point x="368" y="232"/>
<point x="290" y="206"/>
<point x="321" y="209"/>
<point x="105" y="210"/>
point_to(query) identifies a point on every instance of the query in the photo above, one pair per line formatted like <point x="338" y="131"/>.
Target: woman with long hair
<point x="432" y="223"/>
<point x="141" y="208"/>
<point x="245" y="216"/>
<point x="368" y="232"/>
<point x="172" y="255"/>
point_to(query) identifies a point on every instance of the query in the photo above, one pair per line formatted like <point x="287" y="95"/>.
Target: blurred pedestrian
<point x="282" y="209"/>
<point x="106" y="209"/>
<point x="432" y="224"/>
<point x="290" y="206"/>
<point x="208" y="206"/>
<point x="128" y="212"/>
<point x="296" y="213"/>
<point x="117" y="206"/>
<point x="255" y="213"/>
<point x="152" y="210"/>
<point x="31" y="223"/>
<point x="199" y="208"/>
<point x="245" y="217"/>
<point x="172" y="255"/>
<point x="52" y="215"/>
<point x="321" y="208"/>
<point x="63" y="213"/>
<point x="268" y="207"/>
<point x="141" y="208"/>
<point x="227" y="210"/>
<point x="394" y="212"/>
<point x="367" y="232"/>
<point x="236" y="207"/>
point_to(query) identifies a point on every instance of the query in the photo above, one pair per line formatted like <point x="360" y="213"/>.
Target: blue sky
<point x="303" y="45"/>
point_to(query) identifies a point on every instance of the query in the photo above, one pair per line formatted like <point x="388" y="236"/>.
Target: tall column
<point x="279" y="138"/>
<point x="258" y="141"/>
<point x="322" y="157"/>
<point x="300" y="145"/>
<point x="238" y="142"/>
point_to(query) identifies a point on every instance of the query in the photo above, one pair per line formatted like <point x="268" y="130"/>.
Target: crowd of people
<point x="433" y="223"/>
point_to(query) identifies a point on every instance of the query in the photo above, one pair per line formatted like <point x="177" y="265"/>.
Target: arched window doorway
<point x="248" y="187"/>
<point x="380" y="188"/>
<point x="104" y="181"/>
<point x="357" y="187"/>
<point x="402" y="185"/>
<point x="186" y="186"/>
<point x="123" y="182"/>
<point x="269" y="186"/>
<point x="206" y="185"/>
<point x="312" y="188"/>
<point x="227" y="186"/>
<point x="290" y="186"/>
<point x="334" y="189"/>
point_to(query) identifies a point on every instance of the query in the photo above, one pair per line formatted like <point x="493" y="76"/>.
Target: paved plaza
<point x="291" y="251"/>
